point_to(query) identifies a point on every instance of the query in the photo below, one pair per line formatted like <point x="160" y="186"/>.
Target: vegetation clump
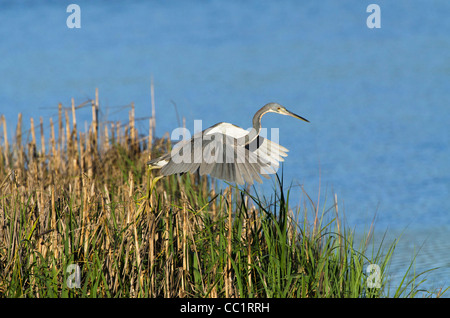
<point x="82" y="215"/>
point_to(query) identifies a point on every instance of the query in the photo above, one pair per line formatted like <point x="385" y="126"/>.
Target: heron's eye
<point x="279" y="108"/>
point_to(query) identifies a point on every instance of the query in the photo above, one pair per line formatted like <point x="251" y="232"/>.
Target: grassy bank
<point x="87" y="201"/>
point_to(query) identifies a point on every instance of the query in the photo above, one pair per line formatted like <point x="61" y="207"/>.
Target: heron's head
<point x="279" y="109"/>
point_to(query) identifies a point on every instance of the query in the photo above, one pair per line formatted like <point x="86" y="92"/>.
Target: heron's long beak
<point x="295" y="116"/>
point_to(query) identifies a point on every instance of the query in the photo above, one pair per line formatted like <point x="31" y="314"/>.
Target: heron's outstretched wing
<point x="183" y="157"/>
<point x="265" y="150"/>
<point x="218" y="153"/>
<point x="224" y="159"/>
<point x="268" y="150"/>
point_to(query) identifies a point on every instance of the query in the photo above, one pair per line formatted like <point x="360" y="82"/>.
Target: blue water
<point x="378" y="99"/>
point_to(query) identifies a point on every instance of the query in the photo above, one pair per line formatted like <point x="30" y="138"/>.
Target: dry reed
<point x="87" y="196"/>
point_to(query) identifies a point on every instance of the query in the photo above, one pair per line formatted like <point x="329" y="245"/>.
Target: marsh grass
<point x="88" y="199"/>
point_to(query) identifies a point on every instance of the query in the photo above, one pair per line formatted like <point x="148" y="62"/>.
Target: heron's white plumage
<point x="227" y="129"/>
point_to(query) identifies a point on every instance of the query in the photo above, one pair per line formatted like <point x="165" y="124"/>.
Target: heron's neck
<point x="254" y="132"/>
